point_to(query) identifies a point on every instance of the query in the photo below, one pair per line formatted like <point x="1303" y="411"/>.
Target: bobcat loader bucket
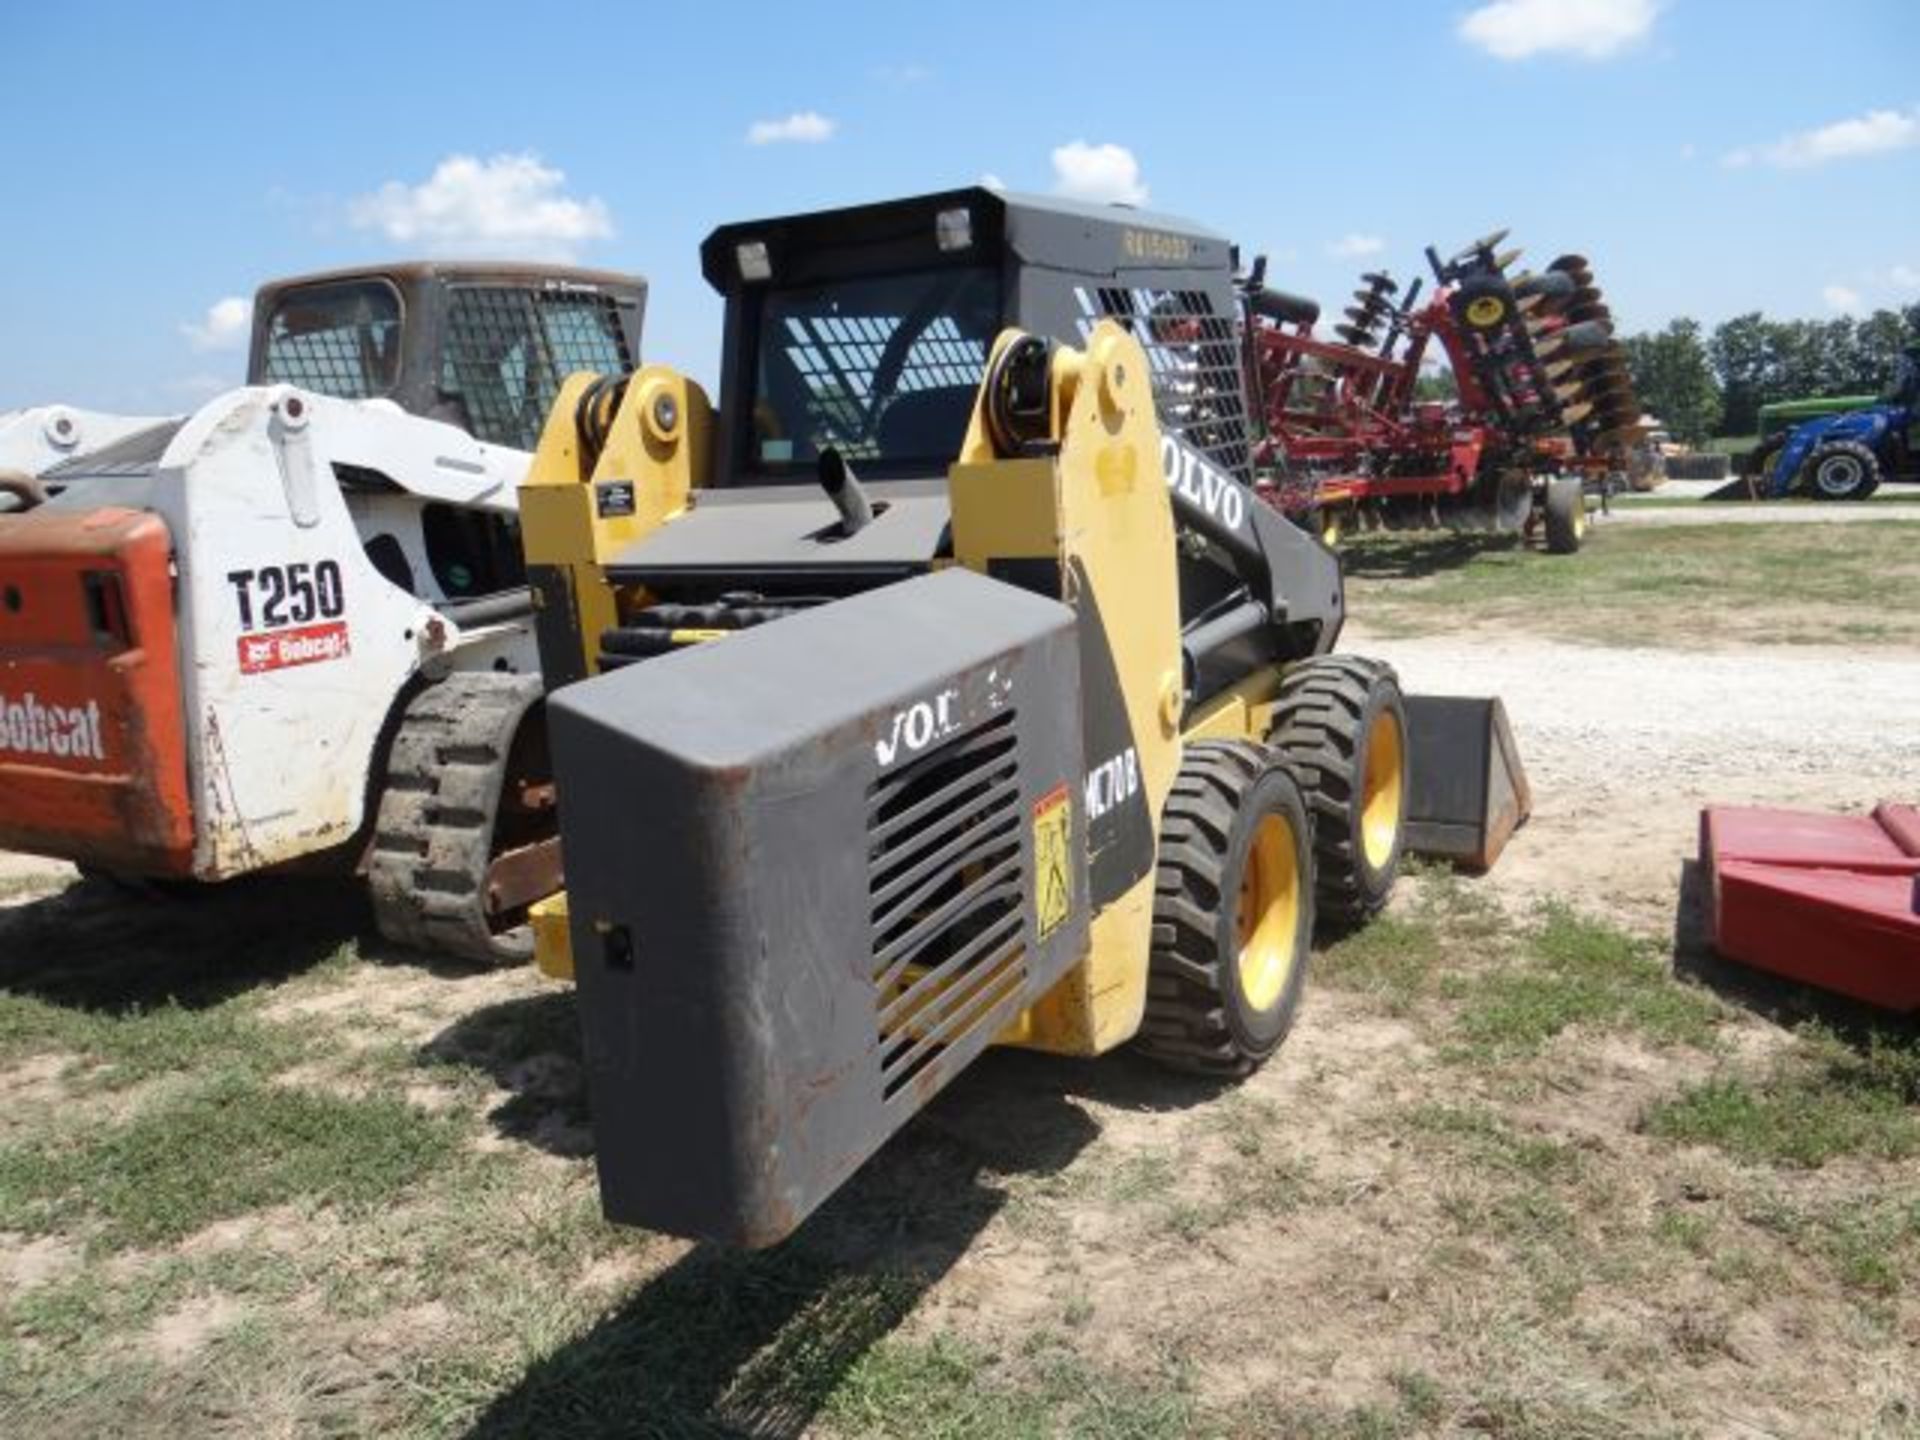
<point x="1467" y="789"/>
<point x="798" y="909"/>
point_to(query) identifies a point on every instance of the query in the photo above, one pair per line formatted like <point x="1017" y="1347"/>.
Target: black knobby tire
<point x="1566" y="515"/>
<point x="434" y="837"/>
<point x="1200" y="1014"/>
<point x="1842" y="470"/>
<point x="1332" y="712"/>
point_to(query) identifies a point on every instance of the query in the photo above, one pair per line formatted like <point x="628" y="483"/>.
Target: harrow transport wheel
<point x="1483" y="303"/>
<point x="1232" y="911"/>
<point x="1842" y="470"/>
<point x="1342" y="723"/>
<point x="466" y="835"/>
<point x="1566" y="518"/>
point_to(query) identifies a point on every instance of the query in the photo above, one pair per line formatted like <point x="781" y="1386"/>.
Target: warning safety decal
<point x="1052" y="866"/>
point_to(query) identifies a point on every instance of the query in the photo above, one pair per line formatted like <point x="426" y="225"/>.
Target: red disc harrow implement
<point x="1545" y="408"/>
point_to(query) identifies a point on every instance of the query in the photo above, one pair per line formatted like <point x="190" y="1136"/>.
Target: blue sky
<point x="1710" y="156"/>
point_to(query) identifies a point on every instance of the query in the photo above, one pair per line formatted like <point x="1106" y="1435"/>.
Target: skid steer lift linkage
<point x="864" y="777"/>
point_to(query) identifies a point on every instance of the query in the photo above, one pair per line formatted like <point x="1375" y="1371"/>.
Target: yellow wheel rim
<point x="1330" y="531"/>
<point x="1381" y="795"/>
<point x="1485" y="311"/>
<point x="1580" y="520"/>
<point x="1268" y="917"/>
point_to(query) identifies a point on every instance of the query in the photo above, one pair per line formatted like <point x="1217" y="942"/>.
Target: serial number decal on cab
<point x="1156" y="245"/>
<point x="286" y="601"/>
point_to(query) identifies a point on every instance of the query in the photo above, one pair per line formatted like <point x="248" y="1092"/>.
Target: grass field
<point x="1693" y="585"/>
<point x="1512" y="1177"/>
<point x="1519" y="1172"/>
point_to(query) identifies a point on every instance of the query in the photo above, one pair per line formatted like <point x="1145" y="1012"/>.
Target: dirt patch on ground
<point x="180" y="1335"/>
<point x="389" y="1002"/>
<point x="26" y="1263"/>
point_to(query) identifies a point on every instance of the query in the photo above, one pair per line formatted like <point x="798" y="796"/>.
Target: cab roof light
<point x="953" y="229"/>
<point x="751" y="257"/>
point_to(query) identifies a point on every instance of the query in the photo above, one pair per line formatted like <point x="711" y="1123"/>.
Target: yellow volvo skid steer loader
<point x="950" y="688"/>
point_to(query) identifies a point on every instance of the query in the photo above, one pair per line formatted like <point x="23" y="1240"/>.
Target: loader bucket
<point x="1467" y="790"/>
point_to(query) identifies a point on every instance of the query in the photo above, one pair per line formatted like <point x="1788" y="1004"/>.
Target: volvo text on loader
<point x="293" y="628"/>
<point x="951" y="687"/>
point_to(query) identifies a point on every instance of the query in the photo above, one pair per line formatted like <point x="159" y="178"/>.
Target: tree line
<point x="1705" y="384"/>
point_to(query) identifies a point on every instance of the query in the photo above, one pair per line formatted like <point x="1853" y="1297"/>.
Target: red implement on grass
<point x="1830" y="900"/>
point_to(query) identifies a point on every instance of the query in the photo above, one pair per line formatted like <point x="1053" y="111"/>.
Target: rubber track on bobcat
<point x="433" y="840"/>
<point x="1185" y="1025"/>
<point x="1317" y="726"/>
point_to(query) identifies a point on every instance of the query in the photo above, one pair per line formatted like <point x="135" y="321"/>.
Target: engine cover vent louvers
<point x="945" y="881"/>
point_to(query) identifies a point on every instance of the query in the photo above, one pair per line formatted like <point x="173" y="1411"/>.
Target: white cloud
<point x="1103" y="174"/>
<point x="224" y="327"/>
<point x="1839" y="297"/>
<point x="1873" y="133"/>
<point x="1354" y="245"/>
<point x="1904" y="277"/>
<point x="1591" y="29"/>
<point x="992" y="181"/>
<point x="803" y="127"/>
<point x="507" y="204"/>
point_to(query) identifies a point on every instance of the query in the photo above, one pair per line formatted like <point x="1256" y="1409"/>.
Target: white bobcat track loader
<point x="293" y="629"/>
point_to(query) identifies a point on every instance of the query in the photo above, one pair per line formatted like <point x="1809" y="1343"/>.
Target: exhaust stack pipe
<point x="848" y="495"/>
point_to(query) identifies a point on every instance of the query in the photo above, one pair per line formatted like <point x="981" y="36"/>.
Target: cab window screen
<point x="507" y="350"/>
<point x="884" y="370"/>
<point x="341" y="340"/>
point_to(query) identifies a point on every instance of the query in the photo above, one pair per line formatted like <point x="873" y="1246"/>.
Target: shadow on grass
<point x="113" y="949"/>
<point x="1785" y="1002"/>
<point x="529" y="1046"/>
<point x="729" y="1342"/>
<point x="1417" y="555"/>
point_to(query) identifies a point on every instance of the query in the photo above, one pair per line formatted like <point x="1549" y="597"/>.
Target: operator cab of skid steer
<point x="856" y="341"/>
<point x="480" y="346"/>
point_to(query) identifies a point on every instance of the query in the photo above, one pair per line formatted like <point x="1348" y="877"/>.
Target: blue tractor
<point x="1845" y="456"/>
